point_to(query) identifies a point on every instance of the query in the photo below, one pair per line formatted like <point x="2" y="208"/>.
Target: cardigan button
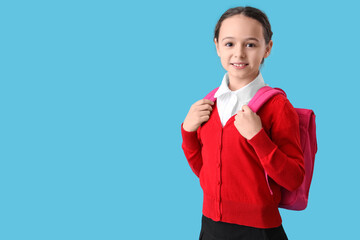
<point x="219" y="165"/>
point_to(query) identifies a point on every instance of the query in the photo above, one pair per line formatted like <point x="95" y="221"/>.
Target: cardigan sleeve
<point x="191" y="146"/>
<point x="281" y="155"/>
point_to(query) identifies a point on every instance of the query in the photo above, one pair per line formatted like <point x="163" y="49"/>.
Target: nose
<point x="239" y="51"/>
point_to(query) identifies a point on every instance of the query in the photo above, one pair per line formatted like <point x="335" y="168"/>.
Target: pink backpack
<point x="298" y="199"/>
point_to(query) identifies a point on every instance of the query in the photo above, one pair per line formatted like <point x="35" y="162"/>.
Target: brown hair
<point x="248" y="12"/>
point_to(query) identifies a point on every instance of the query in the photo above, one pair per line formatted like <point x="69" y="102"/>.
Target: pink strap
<point x="263" y="95"/>
<point x="211" y="94"/>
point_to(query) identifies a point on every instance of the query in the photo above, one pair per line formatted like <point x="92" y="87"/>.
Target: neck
<point x="237" y="83"/>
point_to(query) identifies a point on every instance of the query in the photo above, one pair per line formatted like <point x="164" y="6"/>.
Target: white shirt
<point x="230" y="102"/>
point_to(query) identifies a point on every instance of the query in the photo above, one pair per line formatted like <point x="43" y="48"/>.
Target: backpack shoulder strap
<point x="262" y="96"/>
<point x="211" y="94"/>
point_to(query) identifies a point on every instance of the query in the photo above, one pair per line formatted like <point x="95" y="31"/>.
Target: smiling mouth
<point x="239" y="65"/>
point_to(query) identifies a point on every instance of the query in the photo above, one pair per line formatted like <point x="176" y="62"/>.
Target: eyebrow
<point x="250" y="38"/>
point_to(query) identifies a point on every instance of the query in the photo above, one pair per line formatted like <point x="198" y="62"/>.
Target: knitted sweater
<point x="231" y="168"/>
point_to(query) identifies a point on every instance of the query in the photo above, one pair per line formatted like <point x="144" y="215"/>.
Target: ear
<point x="217" y="47"/>
<point x="268" y="49"/>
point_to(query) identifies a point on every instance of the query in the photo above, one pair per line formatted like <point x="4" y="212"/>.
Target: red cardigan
<point x="231" y="168"/>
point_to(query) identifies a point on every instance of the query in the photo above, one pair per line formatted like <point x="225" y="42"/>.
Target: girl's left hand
<point x="247" y="122"/>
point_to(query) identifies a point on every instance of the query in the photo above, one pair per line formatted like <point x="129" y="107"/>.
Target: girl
<point x="229" y="147"/>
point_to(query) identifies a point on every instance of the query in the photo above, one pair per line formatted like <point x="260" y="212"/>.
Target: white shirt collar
<point x="246" y="92"/>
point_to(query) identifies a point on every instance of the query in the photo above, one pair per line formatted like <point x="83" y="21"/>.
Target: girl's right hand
<point x="198" y="113"/>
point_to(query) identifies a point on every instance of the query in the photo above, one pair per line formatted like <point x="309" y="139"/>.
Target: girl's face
<point x="241" y="48"/>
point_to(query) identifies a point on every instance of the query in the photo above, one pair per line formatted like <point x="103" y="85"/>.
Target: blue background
<point x="93" y="94"/>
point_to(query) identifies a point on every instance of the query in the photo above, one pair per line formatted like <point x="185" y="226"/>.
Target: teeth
<point x="239" y="65"/>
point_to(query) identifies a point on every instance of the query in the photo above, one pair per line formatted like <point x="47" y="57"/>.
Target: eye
<point x="250" y="45"/>
<point x="229" y="44"/>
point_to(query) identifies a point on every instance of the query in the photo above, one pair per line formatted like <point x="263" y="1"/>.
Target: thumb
<point x="246" y="108"/>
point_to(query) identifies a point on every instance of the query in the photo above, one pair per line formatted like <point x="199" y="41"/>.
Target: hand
<point x="198" y="113"/>
<point x="247" y="122"/>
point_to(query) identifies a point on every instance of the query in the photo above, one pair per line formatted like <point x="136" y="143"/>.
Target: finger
<point x="206" y="101"/>
<point x="235" y="123"/>
<point x="246" y="108"/>
<point x="240" y="112"/>
<point x="205" y="107"/>
<point x="204" y="118"/>
<point x="205" y="113"/>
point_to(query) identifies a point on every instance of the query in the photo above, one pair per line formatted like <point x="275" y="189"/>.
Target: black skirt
<point x="211" y="230"/>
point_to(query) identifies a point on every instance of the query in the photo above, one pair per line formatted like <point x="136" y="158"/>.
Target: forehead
<point x="240" y="26"/>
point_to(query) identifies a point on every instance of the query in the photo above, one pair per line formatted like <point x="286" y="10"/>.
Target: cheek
<point x="225" y="59"/>
<point x="261" y="54"/>
<point x="257" y="58"/>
